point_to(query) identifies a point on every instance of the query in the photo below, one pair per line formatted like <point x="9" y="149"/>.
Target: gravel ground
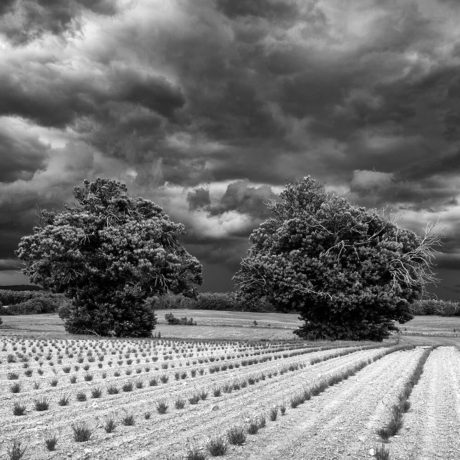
<point x="432" y="427"/>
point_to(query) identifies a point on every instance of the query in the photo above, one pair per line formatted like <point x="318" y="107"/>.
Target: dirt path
<point x="432" y="426"/>
<point x="338" y="424"/>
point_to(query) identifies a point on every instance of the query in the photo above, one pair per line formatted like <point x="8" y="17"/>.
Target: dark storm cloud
<point x="241" y="197"/>
<point x="21" y="155"/>
<point x="25" y="20"/>
<point x="54" y="99"/>
<point x="198" y="199"/>
<point x="270" y="9"/>
<point x="363" y="95"/>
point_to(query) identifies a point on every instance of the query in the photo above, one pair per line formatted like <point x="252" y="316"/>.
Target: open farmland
<point x="233" y="325"/>
<point x="142" y="399"/>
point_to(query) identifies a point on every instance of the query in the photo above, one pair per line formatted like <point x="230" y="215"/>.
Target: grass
<point x="217" y="447"/>
<point x="403" y="405"/>
<point x="96" y="393"/>
<point x="15" y="388"/>
<point x="162" y="407"/>
<point x="80" y="396"/>
<point x="128" y="420"/>
<point x="273" y="414"/>
<point x="51" y="442"/>
<point x="81" y="432"/>
<point x="18" y="409"/>
<point x="236" y="436"/>
<point x="179" y="403"/>
<point x="110" y="425"/>
<point x="194" y="399"/>
<point x="112" y="390"/>
<point x="127" y="387"/>
<point x="253" y="427"/>
<point x="216" y="392"/>
<point x="41" y="404"/>
<point x="15" y="451"/>
<point x="195" y="454"/>
<point x="382" y="453"/>
<point x="64" y="400"/>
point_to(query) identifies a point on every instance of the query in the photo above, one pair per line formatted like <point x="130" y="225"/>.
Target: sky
<point x="209" y="107"/>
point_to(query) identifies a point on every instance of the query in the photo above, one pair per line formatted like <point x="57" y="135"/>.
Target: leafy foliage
<point x="39" y="302"/>
<point x="435" y="307"/>
<point x="221" y="301"/>
<point x="348" y="271"/>
<point x="109" y="253"/>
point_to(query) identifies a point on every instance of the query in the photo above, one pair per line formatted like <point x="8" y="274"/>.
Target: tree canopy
<point x="350" y="272"/>
<point x="109" y="253"/>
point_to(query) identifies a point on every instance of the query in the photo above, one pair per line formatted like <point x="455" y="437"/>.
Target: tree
<point x="109" y="253"/>
<point x="348" y="271"/>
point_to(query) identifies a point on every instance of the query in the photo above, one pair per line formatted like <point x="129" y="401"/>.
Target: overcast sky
<point x="209" y="106"/>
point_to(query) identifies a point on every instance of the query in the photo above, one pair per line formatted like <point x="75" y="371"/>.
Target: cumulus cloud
<point x="210" y="107"/>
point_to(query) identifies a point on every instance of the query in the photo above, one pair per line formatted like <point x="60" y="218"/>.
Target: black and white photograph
<point x="230" y="229"/>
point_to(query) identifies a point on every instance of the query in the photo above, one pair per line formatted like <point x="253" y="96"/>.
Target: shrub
<point x="179" y="403"/>
<point x="110" y="425"/>
<point x="15" y="388"/>
<point x="127" y="387"/>
<point x="216" y="392"/>
<point x="64" y="400"/>
<point x="273" y="413"/>
<point x="195" y="454"/>
<point x="162" y="407"/>
<point x="51" y="443"/>
<point x="19" y="409"/>
<point x="41" y="404"/>
<point x="382" y="453"/>
<point x="253" y="427"/>
<point x="236" y="436"/>
<point x="128" y="420"/>
<point x="112" y="390"/>
<point x="216" y="447"/>
<point x="81" y="432"/>
<point x="96" y="392"/>
<point x="435" y="307"/>
<point x="15" y="451"/>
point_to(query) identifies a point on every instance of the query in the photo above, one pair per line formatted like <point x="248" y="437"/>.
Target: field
<point x="92" y="398"/>
<point x="237" y="326"/>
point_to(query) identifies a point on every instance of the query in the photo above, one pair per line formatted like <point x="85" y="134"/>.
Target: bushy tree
<point x="348" y="271"/>
<point x="109" y="253"/>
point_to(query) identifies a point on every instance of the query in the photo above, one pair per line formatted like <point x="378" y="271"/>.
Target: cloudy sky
<point x="209" y="106"/>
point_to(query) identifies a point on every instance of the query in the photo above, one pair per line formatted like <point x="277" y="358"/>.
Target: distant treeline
<point x="23" y="302"/>
<point x="21" y="287"/>
<point x="29" y="302"/>
<point x="222" y="301"/>
<point x="435" y="307"/>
